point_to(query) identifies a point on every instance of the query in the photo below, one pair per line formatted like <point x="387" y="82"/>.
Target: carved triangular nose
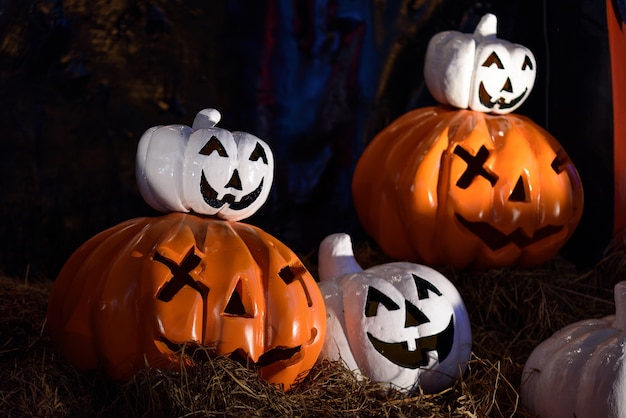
<point x="235" y="181"/>
<point x="507" y="86"/>
<point x="519" y="191"/>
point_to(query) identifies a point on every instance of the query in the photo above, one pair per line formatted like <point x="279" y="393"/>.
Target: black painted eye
<point x="493" y="59"/>
<point x="214" y="145"/>
<point x="235" y="305"/>
<point x="258" y="152"/>
<point x="423" y="286"/>
<point x="374" y="298"/>
<point x="527" y="63"/>
<point x="475" y="167"/>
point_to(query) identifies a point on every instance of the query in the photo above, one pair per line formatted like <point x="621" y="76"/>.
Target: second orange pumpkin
<point x="445" y="186"/>
<point x="140" y="291"/>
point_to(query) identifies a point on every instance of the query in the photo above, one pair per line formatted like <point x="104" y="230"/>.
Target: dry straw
<point x="511" y="311"/>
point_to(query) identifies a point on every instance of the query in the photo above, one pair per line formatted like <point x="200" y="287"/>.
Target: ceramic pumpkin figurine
<point x="580" y="371"/>
<point x="204" y="169"/>
<point x="139" y="291"/>
<point x="442" y="185"/>
<point x="400" y="323"/>
<point x="479" y="71"/>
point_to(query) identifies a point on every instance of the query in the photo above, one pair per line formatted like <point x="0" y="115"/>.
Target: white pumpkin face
<point x="225" y="173"/>
<point x="204" y="169"/>
<point x="504" y="76"/>
<point x="479" y="71"/>
<point x="401" y="323"/>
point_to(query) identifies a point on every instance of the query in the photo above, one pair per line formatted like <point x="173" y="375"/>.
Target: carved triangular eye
<point x="374" y="298"/>
<point x="519" y="191"/>
<point x="493" y="59"/>
<point x="235" y="305"/>
<point x="257" y="153"/>
<point x="527" y="63"/>
<point x="213" y="145"/>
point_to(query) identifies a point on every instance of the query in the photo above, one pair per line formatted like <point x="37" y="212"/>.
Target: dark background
<point x="80" y="81"/>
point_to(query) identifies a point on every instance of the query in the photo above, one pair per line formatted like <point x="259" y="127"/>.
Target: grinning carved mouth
<point x="486" y="99"/>
<point x="496" y="239"/>
<point x="210" y="196"/>
<point x="398" y="353"/>
<point x="199" y="352"/>
<point x="270" y="357"/>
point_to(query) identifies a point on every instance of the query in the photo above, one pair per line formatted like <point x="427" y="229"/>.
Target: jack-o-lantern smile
<point x="210" y="195"/>
<point x="288" y="356"/>
<point x="495" y="239"/>
<point x="487" y="100"/>
<point x="400" y="354"/>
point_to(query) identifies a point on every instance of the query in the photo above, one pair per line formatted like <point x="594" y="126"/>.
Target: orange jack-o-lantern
<point x="469" y="189"/>
<point x="139" y="291"/>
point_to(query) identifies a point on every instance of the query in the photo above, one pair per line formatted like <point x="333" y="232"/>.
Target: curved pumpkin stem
<point x="206" y="118"/>
<point x="336" y="257"/>
<point x="487" y="26"/>
<point x="620" y="305"/>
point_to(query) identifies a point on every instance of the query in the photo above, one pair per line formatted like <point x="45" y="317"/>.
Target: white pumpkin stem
<point x="487" y="26"/>
<point x="206" y="118"/>
<point x="620" y="305"/>
<point x="336" y="257"/>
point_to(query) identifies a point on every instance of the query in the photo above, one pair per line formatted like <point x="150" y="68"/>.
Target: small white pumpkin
<point x="204" y="169"/>
<point x="400" y="323"/>
<point x="579" y="371"/>
<point x="479" y="71"/>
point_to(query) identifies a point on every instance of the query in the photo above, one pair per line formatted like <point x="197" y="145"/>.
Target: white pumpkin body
<point x="204" y="169"/>
<point x="579" y="371"/>
<point x="479" y="71"/>
<point x="401" y="323"/>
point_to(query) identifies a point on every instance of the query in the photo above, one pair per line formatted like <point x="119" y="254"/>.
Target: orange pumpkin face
<point x="467" y="189"/>
<point x="143" y="289"/>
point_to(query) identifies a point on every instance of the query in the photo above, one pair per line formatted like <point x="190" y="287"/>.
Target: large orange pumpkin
<point x="139" y="291"/>
<point x="468" y="189"/>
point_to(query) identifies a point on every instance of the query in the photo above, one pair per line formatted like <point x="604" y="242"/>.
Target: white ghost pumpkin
<point x="580" y="371"/>
<point x="401" y="323"/>
<point x="204" y="169"/>
<point x="479" y="71"/>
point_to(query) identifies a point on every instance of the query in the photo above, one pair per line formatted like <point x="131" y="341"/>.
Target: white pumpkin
<point x="579" y="371"/>
<point x="204" y="169"/>
<point x="401" y="323"/>
<point x="479" y="71"/>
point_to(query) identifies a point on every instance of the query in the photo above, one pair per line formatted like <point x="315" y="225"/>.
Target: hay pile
<point x="511" y="311"/>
